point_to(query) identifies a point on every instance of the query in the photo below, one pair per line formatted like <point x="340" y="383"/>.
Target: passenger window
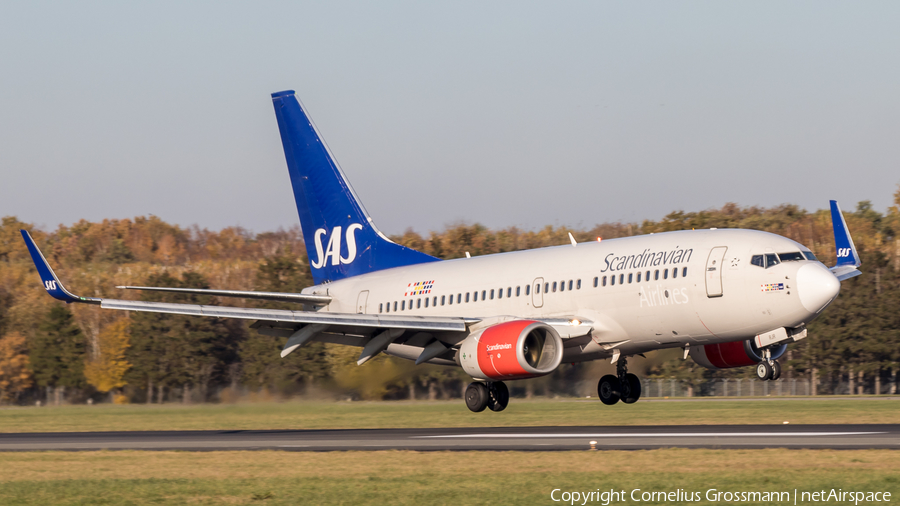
<point x="554" y="286"/>
<point x="474" y="296"/>
<point x="684" y="272"/>
<point x="444" y="298"/>
<point x="459" y="298"/>
<point x="630" y="278"/>
<point x="612" y="281"/>
<point x="546" y="287"/>
<point x="467" y="296"/>
<point x="656" y="275"/>
<point x="604" y="280"/>
<point x="647" y="276"/>
<point x="500" y="293"/>
<point x="772" y="260"/>
<point x="434" y="301"/>
<point x="483" y="294"/>
<point x="578" y="285"/>
<point x="665" y="273"/>
<point x="570" y="285"/>
<point x="403" y="306"/>
<point x="621" y="279"/>
<point x="562" y="286"/>
<point x="639" y="277"/>
<point x="757" y="260"/>
<point x="674" y="272"/>
<point x="379" y="307"/>
<point x="492" y="294"/>
<point x="809" y="256"/>
<point x="528" y="289"/>
<point x="596" y="279"/>
<point x="537" y="288"/>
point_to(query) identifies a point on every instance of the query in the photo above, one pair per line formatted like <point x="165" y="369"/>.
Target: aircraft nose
<point x="817" y="286"/>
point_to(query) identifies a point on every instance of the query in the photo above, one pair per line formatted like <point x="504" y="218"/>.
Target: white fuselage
<point x="714" y="294"/>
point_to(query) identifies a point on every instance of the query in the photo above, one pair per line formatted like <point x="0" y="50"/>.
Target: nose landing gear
<point x="623" y="386"/>
<point x="768" y="369"/>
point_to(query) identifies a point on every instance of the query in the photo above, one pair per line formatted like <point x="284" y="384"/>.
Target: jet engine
<point x="512" y="350"/>
<point x="733" y="354"/>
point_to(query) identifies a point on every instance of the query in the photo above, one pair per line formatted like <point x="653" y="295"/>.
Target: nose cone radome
<point x="817" y="286"/>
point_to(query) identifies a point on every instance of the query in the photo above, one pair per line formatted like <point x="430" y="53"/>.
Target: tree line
<point x="52" y="353"/>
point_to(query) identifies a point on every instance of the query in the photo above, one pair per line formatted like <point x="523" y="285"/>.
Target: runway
<point x="480" y="438"/>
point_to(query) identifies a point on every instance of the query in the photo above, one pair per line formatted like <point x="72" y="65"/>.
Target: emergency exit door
<point x="537" y="298"/>
<point x="714" y="271"/>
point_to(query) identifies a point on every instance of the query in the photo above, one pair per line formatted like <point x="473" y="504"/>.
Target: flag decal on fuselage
<point x="418" y="288"/>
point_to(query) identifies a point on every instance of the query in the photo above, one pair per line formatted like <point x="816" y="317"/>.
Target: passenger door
<point x="714" y="271"/>
<point x="361" y="301"/>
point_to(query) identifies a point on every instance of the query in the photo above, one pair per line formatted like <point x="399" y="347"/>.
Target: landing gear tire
<point x="609" y="389"/>
<point x="763" y="371"/>
<point x="776" y="371"/>
<point x="498" y="396"/>
<point x="631" y="389"/>
<point x="477" y="397"/>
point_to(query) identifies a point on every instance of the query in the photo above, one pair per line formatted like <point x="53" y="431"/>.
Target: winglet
<point x="846" y="251"/>
<point x="51" y="283"/>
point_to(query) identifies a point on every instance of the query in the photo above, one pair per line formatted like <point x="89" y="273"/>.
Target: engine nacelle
<point x="733" y="354"/>
<point x="512" y="350"/>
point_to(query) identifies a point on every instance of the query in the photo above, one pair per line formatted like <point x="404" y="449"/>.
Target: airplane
<point x="726" y="297"/>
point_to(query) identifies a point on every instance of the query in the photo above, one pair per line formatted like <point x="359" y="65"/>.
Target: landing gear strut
<point x="623" y="386"/>
<point x="493" y="395"/>
<point x="768" y="369"/>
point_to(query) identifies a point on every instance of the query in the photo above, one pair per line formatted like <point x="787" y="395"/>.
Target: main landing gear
<point x="490" y="394"/>
<point x="768" y="369"/>
<point x="623" y="386"/>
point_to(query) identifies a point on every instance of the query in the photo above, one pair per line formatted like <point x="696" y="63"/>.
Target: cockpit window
<point x="772" y="260"/>
<point x="809" y="256"/>
<point x="794" y="256"/>
<point x="758" y="261"/>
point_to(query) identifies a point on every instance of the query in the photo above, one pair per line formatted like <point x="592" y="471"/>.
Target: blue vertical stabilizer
<point x="341" y="240"/>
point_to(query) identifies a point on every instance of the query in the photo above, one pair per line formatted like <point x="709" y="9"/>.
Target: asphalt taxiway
<point x="479" y="438"/>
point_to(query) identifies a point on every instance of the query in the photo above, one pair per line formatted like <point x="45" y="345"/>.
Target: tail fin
<point x="341" y="240"/>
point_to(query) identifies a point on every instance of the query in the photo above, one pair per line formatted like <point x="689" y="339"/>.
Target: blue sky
<point x="504" y="113"/>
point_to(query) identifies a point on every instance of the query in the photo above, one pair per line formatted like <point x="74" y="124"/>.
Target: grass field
<point x="344" y="415"/>
<point x="459" y="478"/>
<point x="423" y="478"/>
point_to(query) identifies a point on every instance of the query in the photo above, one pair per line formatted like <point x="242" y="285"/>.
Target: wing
<point x="300" y="326"/>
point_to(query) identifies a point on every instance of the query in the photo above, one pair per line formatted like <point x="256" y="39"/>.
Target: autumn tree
<point x="107" y="371"/>
<point x="15" y="373"/>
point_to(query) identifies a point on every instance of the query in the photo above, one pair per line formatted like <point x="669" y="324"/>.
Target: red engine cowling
<point x="733" y="354"/>
<point x="512" y="350"/>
